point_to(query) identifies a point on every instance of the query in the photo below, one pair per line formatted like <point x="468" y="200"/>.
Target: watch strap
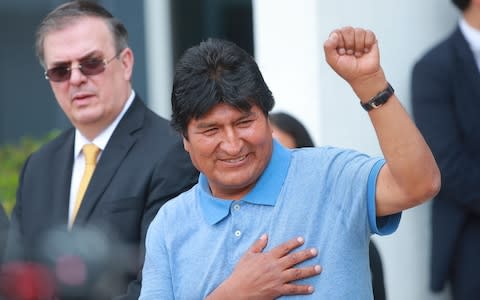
<point x="380" y="99"/>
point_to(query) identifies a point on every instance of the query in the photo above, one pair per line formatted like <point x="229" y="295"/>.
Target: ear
<point x="186" y="145"/>
<point x="127" y="61"/>
<point x="270" y="125"/>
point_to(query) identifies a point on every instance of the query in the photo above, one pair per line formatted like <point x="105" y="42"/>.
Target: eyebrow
<point x="202" y="125"/>
<point x="83" y="58"/>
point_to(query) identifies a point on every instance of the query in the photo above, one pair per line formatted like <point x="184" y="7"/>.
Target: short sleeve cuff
<point x="381" y="225"/>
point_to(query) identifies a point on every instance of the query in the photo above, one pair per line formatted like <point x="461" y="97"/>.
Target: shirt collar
<point x="102" y="139"/>
<point x="265" y="191"/>
<point x="472" y="35"/>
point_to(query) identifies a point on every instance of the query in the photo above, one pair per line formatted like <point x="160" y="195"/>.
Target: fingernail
<point x="300" y="239"/>
<point x="341" y="51"/>
<point x="263" y="236"/>
<point x="311" y="289"/>
<point x="313" y="251"/>
<point x="318" y="269"/>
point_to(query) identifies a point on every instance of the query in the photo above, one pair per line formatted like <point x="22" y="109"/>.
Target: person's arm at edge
<point x="410" y="175"/>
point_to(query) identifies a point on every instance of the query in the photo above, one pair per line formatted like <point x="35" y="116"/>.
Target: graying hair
<point x="69" y="12"/>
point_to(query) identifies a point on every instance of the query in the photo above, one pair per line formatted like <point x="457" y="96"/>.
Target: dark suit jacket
<point x="4" y="223"/>
<point x="446" y="108"/>
<point x="142" y="166"/>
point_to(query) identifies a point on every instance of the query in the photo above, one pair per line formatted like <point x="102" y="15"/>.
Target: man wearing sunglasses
<point x="93" y="244"/>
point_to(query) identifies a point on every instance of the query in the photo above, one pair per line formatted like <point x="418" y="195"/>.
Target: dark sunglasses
<point x="91" y="66"/>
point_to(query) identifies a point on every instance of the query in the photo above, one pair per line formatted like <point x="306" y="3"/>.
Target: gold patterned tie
<point x="90" y="151"/>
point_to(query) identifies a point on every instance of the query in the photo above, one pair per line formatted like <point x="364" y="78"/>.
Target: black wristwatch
<point x="379" y="99"/>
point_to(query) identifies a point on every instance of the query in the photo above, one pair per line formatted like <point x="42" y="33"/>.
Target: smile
<point x="235" y="160"/>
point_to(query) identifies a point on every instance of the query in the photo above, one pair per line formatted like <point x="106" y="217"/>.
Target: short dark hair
<point x="64" y="14"/>
<point x="216" y="71"/>
<point x="293" y="127"/>
<point x="461" y="4"/>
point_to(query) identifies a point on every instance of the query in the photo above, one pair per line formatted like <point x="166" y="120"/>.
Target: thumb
<point x="330" y="47"/>
<point x="259" y="244"/>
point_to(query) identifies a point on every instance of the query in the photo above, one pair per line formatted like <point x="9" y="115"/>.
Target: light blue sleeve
<point x="156" y="275"/>
<point x="382" y="225"/>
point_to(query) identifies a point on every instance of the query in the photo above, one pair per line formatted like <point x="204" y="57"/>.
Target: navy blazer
<point x="446" y="108"/>
<point x="142" y="166"/>
<point x="4" y="223"/>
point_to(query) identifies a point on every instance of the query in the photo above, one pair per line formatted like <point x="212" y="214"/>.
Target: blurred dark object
<point x="194" y="21"/>
<point x="376" y="269"/>
<point x="26" y="281"/>
<point x="83" y="263"/>
<point x="4" y="223"/>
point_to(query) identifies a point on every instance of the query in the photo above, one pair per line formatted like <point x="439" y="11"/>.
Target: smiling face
<point x="90" y="102"/>
<point x="231" y="147"/>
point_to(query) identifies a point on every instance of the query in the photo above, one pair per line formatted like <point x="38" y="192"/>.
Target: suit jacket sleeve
<point x="4" y="223"/>
<point x="14" y="249"/>
<point x="441" y="100"/>
<point x="172" y="176"/>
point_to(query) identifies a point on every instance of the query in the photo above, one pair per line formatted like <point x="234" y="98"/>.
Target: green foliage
<point x="12" y="157"/>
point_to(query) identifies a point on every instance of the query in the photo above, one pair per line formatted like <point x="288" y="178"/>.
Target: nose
<point x="76" y="75"/>
<point x="232" y="142"/>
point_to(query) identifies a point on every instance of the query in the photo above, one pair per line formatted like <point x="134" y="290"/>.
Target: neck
<point x="472" y="15"/>
<point x="90" y="133"/>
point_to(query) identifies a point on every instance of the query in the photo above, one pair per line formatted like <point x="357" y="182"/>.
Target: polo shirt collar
<point x="265" y="191"/>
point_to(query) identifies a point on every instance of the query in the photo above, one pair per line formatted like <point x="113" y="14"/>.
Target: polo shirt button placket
<point x="236" y="208"/>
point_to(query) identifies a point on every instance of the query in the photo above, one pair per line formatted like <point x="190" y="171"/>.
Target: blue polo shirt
<point x="326" y="195"/>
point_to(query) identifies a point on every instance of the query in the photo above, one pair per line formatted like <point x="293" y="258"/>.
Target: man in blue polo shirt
<point x="328" y="201"/>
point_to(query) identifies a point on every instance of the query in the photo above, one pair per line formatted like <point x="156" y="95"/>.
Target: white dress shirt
<point x="79" y="160"/>
<point x="472" y="35"/>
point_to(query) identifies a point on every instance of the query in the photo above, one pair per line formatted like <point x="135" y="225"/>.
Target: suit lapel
<point x="467" y="68"/>
<point x="61" y="169"/>
<point x="118" y="147"/>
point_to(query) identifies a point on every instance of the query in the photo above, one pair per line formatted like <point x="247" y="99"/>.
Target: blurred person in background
<point x="90" y="233"/>
<point x="291" y="133"/>
<point x="445" y="91"/>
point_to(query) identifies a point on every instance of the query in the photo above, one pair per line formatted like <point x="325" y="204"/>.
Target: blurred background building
<point x="286" y="37"/>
